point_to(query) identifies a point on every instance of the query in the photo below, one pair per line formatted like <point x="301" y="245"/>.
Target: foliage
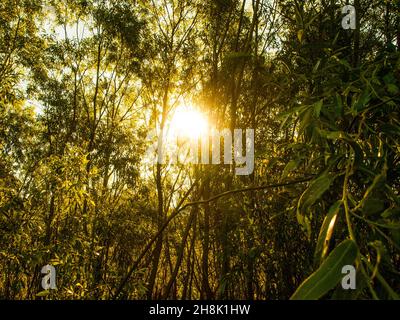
<point x="82" y="83"/>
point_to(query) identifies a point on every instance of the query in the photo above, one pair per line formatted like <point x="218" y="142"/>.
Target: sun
<point x="187" y="122"/>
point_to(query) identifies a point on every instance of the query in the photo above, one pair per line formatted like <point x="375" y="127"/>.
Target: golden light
<point x="187" y="122"/>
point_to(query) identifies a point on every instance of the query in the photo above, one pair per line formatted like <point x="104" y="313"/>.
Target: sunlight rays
<point x="189" y="123"/>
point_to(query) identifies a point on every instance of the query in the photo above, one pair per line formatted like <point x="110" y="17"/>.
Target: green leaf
<point x="378" y="182"/>
<point x="362" y="101"/>
<point x="390" y="129"/>
<point x="334" y="135"/>
<point x="316" y="189"/>
<point x="339" y="105"/>
<point x="392" y="89"/>
<point x="345" y="63"/>
<point x="373" y="206"/>
<point x="315" y="69"/>
<point x="300" y="34"/>
<point x="43" y="293"/>
<point x="326" y="232"/>
<point x="305" y="119"/>
<point x="317" y="108"/>
<point x="328" y="274"/>
<point x="292" y="164"/>
<point x="389" y="78"/>
<point x="358" y="153"/>
<point x="391" y="212"/>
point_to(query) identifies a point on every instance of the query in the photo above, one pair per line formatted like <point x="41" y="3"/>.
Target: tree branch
<point x="181" y="208"/>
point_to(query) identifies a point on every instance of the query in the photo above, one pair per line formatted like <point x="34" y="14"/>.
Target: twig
<point x="181" y="208"/>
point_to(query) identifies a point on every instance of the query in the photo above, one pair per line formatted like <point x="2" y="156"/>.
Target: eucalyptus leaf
<point x="329" y="274"/>
<point x="326" y="232"/>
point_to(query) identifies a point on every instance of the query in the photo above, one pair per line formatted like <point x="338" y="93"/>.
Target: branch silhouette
<point x="180" y="208"/>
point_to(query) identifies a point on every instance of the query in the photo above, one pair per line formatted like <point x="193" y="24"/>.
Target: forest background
<point x="82" y="83"/>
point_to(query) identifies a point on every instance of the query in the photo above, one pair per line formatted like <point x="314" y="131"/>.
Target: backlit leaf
<point x="329" y="274"/>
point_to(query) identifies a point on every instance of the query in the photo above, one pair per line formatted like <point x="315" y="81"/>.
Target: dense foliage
<point x="82" y="83"/>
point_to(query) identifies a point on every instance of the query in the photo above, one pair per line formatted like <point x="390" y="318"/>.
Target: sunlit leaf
<point x="328" y="274"/>
<point x="326" y="232"/>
